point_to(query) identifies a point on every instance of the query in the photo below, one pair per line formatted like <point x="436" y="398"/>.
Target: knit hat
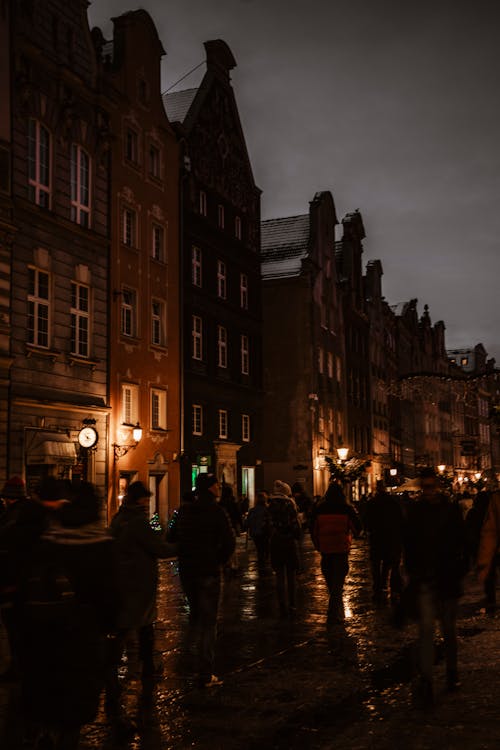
<point x="137" y="491"/>
<point x="282" y="488"/>
<point x="205" y="481"/>
<point x="14" y="489"/>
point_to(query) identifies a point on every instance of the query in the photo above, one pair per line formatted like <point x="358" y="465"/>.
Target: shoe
<point x="213" y="681"/>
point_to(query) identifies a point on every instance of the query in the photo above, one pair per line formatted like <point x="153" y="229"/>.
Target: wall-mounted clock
<point x="87" y="437"/>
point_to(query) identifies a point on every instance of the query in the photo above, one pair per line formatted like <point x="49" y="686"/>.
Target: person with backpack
<point x="285" y="533"/>
<point x="333" y="525"/>
<point x="258" y="525"/>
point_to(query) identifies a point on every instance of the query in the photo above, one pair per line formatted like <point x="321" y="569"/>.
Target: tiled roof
<point x="177" y="104"/>
<point x="284" y="245"/>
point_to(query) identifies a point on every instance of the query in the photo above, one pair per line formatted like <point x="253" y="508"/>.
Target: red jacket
<point x="333" y="527"/>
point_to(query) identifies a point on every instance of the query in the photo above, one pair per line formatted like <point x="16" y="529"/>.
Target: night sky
<point x="392" y="105"/>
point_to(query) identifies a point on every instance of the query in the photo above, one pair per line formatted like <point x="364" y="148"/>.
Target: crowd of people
<point x="75" y="595"/>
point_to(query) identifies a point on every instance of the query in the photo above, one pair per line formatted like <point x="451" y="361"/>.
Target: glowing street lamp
<point x="121" y="450"/>
<point x="441" y="468"/>
<point x="342" y="454"/>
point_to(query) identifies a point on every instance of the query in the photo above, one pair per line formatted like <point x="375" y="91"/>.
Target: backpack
<point x="282" y="520"/>
<point x="257" y="521"/>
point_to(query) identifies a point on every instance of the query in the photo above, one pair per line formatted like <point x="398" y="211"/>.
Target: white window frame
<point x="221" y="280"/>
<point x="243" y="291"/>
<point x="220" y="216"/>
<point x="196" y="266"/>
<point x="329" y="364"/>
<point x="245" y="354"/>
<point x="158" y="405"/>
<point x="245" y="428"/>
<point x="321" y="419"/>
<point x="132" y="154"/>
<point x="129" y="227"/>
<point x="197" y="338"/>
<point x="81" y="184"/>
<point x="222" y="347"/>
<point x="197" y="419"/>
<point x="39" y="308"/>
<point x="158" y="242"/>
<point x="157" y="322"/>
<point x="223" y="424"/>
<point x="129" y="403"/>
<point x="321" y="360"/>
<point x="39" y="163"/>
<point x="80" y="319"/>
<point x="237" y="227"/>
<point x="202" y="205"/>
<point x="128" y="312"/>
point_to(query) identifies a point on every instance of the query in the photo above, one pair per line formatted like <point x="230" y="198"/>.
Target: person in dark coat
<point x="435" y="561"/>
<point x="138" y="547"/>
<point x="205" y="541"/>
<point x="258" y="524"/>
<point x="474" y="521"/>
<point x="283" y="545"/>
<point x="333" y="524"/>
<point x="384" y="524"/>
<point x="69" y="604"/>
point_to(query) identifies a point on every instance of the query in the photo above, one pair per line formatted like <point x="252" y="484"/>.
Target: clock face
<point x="87" y="437"/>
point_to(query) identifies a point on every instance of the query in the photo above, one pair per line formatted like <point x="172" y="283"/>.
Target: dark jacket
<point x="333" y="525"/>
<point x="138" y="549"/>
<point x="204" y="536"/>
<point x="384" y="523"/>
<point x="21" y="525"/>
<point x="285" y="532"/>
<point x="435" y="546"/>
<point x="258" y="522"/>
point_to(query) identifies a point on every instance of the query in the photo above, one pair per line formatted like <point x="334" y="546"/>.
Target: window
<point x="130" y="403"/>
<point x="245" y="356"/>
<point x="245" y="428"/>
<point x="158" y="409"/>
<point x="80" y="186"/>
<point x="203" y="203"/>
<point x="221" y="346"/>
<point x="464" y="361"/>
<point x="197" y="419"/>
<point x="244" y="291"/>
<point x="197" y="337"/>
<point x="330" y="423"/>
<point x="158" y="240"/>
<point x="157" y="323"/>
<point x="329" y="364"/>
<point x="220" y="216"/>
<point x="221" y="279"/>
<point x="154" y="162"/>
<point x="129" y="228"/>
<point x="338" y="363"/>
<point x="128" y="312"/>
<point x="196" y="266"/>
<point x="131" y="146"/>
<point x="38" y="307"/>
<point x="222" y="424"/>
<point x="321" y="360"/>
<point x="237" y="227"/>
<point x="80" y="295"/>
<point x="39" y="164"/>
<point x="321" y="419"/>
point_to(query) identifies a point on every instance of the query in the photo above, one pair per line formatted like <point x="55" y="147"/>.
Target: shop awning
<point x="52" y="452"/>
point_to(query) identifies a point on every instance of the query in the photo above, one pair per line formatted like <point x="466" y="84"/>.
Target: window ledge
<point x="37" y="351"/>
<point x="74" y="359"/>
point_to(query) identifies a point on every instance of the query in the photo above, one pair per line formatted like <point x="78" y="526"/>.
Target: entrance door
<point x="248" y="484"/>
<point x="158" y="502"/>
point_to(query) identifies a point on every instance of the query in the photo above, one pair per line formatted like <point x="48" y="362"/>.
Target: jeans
<point x="432" y="607"/>
<point x="335" y="567"/>
<point x="203" y="593"/>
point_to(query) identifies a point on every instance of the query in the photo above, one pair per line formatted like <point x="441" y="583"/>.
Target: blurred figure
<point x="303" y="503"/>
<point x="285" y="533"/>
<point x="435" y="561"/>
<point x="232" y="507"/>
<point x="258" y="524"/>
<point x="333" y="525"/>
<point x="205" y="542"/>
<point x="488" y="551"/>
<point x="384" y="524"/>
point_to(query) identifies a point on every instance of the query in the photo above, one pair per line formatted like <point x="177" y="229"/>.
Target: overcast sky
<point x="392" y="105"/>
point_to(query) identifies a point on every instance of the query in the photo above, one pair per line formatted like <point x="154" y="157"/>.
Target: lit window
<point x="128" y="312"/>
<point x="196" y="266"/>
<point x="158" y="409"/>
<point x="130" y="403"/>
<point x="38" y="307"/>
<point x="129" y="228"/>
<point x="39" y="164"/>
<point x="157" y="323"/>
<point x="330" y="423"/>
<point x="197" y="337"/>
<point x="203" y="203"/>
<point x="245" y="355"/>
<point x="80" y="295"/>
<point x="221" y="279"/>
<point x="220" y="216"/>
<point x="158" y="243"/>
<point x="465" y="361"/>
<point x="245" y="428"/>
<point x="244" y="291"/>
<point x="197" y="419"/>
<point x="338" y="363"/>
<point x="237" y="227"/>
<point x="321" y="360"/>
<point x="222" y="424"/>
<point x="80" y="186"/>
<point x="154" y="162"/>
<point x="329" y="364"/>
<point x="131" y="146"/>
<point x="221" y="346"/>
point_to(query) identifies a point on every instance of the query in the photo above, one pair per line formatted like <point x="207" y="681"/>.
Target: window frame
<point x="222" y="347"/>
<point x="244" y="291"/>
<point x="221" y="279"/>
<point x="220" y="216"/>
<point x="128" y="311"/>
<point x="129" y="412"/>
<point x="202" y="203"/>
<point x="36" y="303"/>
<point x="80" y="211"/>
<point x="154" y="159"/>
<point x="245" y="428"/>
<point x="197" y="420"/>
<point x="196" y="266"/>
<point x="131" y="154"/>
<point x="78" y="315"/>
<point x="37" y="187"/>
<point x="129" y="228"/>
<point x="223" y="424"/>
<point x="245" y="354"/>
<point x="161" y="395"/>
<point x="158" y="251"/>
<point x="158" y="323"/>
<point x="197" y="338"/>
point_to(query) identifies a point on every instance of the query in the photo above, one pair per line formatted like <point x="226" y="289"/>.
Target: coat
<point x="384" y="523"/>
<point x="489" y="541"/>
<point x="333" y="525"/>
<point x="285" y="532"/>
<point x="138" y="549"/>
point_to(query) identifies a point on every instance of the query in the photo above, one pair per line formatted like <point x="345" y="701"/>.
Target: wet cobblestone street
<point x="292" y="684"/>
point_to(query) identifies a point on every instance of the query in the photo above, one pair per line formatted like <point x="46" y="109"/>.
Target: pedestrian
<point x="384" y="524"/>
<point x="333" y="524"/>
<point x="488" y="551"/>
<point x="435" y="561"/>
<point x="138" y="548"/>
<point x="232" y="507"/>
<point x="205" y="541"/>
<point x="69" y="600"/>
<point x="283" y="545"/>
<point x="258" y="524"/>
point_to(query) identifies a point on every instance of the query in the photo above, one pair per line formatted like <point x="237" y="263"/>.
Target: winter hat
<point x="282" y="488"/>
<point x="137" y="491"/>
<point x="14" y="489"/>
<point x="205" y="481"/>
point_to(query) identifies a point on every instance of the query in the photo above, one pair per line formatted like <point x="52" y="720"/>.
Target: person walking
<point x="333" y="524"/>
<point x="435" y="558"/>
<point x="283" y="545"/>
<point x="205" y="542"/>
<point x="384" y="524"/>
<point x="258" y="524"/>
<point x="489" y="550"/>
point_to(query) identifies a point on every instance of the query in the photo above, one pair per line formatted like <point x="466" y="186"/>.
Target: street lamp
<point x="441" y="468"/>
<point x="121" y="450"/>
<point x="342" y="454"/>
